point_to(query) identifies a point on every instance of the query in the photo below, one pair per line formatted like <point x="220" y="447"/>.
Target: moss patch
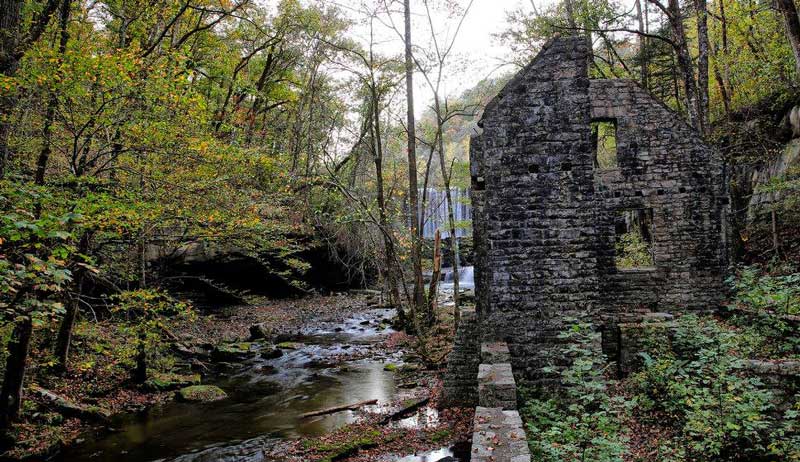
<point x="164" y="381"/>
<point x="232" y="351"/>
<point x="201" y="394"/>
<point x="339" y="450"/>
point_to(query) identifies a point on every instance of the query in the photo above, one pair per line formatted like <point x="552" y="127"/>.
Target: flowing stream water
<point x="265" y="403"/>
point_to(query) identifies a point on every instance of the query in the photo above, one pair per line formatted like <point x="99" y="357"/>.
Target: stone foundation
<point x="461" y="377"/>
<point x="498" y="431"/>
<point x="498" y="437"/>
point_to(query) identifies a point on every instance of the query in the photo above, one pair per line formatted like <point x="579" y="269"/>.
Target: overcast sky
<point x="477" y="53"/>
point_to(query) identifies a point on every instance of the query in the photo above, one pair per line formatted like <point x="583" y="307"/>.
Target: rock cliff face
<point x="785" y="166"/>
<point x="548" y="214"/>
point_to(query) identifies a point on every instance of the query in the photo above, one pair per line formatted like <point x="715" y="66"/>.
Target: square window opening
<point x="604" y="143"/>
<point x="634" y="239"/>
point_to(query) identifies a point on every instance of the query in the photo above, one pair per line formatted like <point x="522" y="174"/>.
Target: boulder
<point x="232" y="352"/>
<point x="200" y="394"/>
<point x="71" y="409"/>
<point x="290" y="345"/>
<point x="164" y="381"/>
<point x="259" y="331"/>
<point x="271" y="352"/>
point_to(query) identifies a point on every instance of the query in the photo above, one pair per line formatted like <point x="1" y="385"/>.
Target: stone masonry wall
<point x="460" y="387"/>
<point x="544" y="215"/>
<point x="540" y="235"/>
<point x="664" y="166"/>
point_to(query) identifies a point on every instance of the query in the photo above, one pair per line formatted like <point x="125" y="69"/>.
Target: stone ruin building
<point x="552" y="199"/>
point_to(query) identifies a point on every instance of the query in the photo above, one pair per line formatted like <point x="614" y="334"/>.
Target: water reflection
<point x="460" y="452"/>
<point x="265" y="398"/>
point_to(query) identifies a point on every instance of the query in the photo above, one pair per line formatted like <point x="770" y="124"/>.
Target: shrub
<point x="718" y="411"/>
<point x="580" y="421"/>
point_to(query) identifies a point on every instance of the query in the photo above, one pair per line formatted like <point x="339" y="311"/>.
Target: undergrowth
<point x="695" y="396"/>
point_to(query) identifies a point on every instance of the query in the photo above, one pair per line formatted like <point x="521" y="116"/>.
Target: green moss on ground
<point x="201" y="394"/>
<point x="165" y="381"/>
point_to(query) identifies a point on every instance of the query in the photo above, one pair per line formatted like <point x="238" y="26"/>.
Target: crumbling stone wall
<point x="664" y="166"/>
<point x="544" y="214"/>
<point x="460" y="387"/>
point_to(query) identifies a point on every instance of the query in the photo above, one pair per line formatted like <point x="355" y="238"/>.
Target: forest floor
<point x="98" y="381"/>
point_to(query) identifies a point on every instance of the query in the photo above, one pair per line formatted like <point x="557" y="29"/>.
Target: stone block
<point x="498" y="437"/>
<point x="495" y="353"/>
<point x="496" y="386"/>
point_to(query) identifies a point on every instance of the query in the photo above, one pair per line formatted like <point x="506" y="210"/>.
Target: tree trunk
<point x="684" y="63"/>
<point x="52" y="100"/>
<point x="775" y="240"/>
<point x="65" y="330"/>
<point x="791" y="23"/>
<point x="702" y="64"/>
<point x="437" y="272"/>
<point x="571" y="16"/>
<point x="450" y="215"/>
<point x="18" y="350"/>
<point x="643" y="65"/>
<point x="140" y="372"/>
<point x="723" y="91"/>
<point x="413" y="205"/>
<point x="68" y="322"/>
<point x="389" y="250"/>
<point x="10" y="20"/>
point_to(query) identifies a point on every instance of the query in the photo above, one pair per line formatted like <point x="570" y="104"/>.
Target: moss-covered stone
<point x="339" y="450"/>
<point x="200" y="394"/>
<point x="290" y="345"/>
<point x="233" y="351"/>
<point x="164" y="381"/>
<point x="259" y="332"/>
<point x="391" y="367"/>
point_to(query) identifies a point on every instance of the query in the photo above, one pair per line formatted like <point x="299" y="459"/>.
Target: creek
<point x="266" y="398"/>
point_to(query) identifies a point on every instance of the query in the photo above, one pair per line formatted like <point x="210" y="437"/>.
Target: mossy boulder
<point x="391" y="367"/>
<point x="410" y="367"/>
<point x="72" y="409"/>
<point x="164" y="381"/>
<point x="232" y="352"/>
<point x="200" y="394"/>
<point x="290" y="345"/>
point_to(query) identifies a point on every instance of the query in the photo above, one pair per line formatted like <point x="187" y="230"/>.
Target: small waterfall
<point x="466" y="279"/>
<point x="435" y="213"/>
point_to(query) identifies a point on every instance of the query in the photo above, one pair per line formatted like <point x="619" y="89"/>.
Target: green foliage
<point x="145" y="316"/>
<point x="633" y="251"/>
<point x="759" y="292"/>
<point x="606" y="135"/>
<point x="760" y="301"/>
<point x="37" y="243"/>
<point x="581" y="422"/>
<point x="701" y="388"/>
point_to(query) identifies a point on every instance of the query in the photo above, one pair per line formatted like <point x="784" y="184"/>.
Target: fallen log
<point x="331" y="410"/>
<point x="71" y="409"/>
<point x="413" y="407"/>
<point x="365" y="291"/>
<point x="790" y="318"/>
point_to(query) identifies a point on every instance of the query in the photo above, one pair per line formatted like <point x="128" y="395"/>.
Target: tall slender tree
<point x="413" y="186"/>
